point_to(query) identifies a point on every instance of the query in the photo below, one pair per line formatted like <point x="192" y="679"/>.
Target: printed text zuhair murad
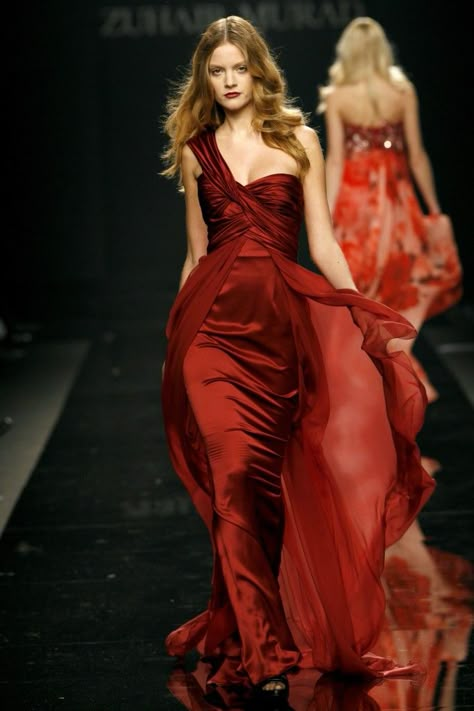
<point x="141" y="21"/>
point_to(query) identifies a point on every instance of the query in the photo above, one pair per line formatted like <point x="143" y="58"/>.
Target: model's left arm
<point x="323" y="247"/>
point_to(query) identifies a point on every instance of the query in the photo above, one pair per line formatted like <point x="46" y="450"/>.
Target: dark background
<point x="93" y="225"/>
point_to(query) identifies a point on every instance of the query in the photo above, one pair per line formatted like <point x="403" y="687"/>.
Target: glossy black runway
<point x="103" y="554"/>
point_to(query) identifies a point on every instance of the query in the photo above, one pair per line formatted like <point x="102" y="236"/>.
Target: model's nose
<point x="230" y="79"/>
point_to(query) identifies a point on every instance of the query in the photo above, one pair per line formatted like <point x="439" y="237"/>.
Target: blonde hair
<point x="192" y="108"/>
<point x="362" y="51"/>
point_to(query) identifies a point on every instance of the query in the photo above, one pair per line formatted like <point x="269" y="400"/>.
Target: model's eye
<point x="215" y="72"/>
<point x="242" y="69"/>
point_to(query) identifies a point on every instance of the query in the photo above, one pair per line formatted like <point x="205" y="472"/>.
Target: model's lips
<point x="232" y="94"/>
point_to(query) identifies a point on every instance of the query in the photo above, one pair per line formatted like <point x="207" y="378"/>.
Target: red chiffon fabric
<point x="293" y="428"/>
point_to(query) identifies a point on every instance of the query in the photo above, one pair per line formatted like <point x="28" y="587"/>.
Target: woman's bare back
<point x="370" y="104"/>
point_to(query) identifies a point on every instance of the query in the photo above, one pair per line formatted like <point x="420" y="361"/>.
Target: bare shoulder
<point x="189" y="163"/>
<point x="409" y="91"/>
<point x="334" y="96"/>
<point x="308" y="137"/>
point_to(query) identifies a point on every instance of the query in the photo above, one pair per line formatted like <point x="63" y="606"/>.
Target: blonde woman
<point x="397" y="255"/>
<point x="301" y="463"/>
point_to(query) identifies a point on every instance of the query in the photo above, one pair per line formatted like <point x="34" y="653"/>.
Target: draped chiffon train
<point x="293" y="429"/>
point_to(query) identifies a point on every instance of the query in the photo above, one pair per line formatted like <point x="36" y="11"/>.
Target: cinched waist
<point x="255" y="245"/>
<point x="252" y="248"/>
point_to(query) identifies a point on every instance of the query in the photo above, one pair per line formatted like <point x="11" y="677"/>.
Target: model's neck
<point x="239" y="123"/>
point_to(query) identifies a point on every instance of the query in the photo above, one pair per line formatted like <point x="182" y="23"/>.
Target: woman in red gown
<point x="397" y="255"/>
<point x="289" y="419"/>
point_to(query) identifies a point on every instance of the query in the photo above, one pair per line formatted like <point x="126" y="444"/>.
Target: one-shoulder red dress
<point x="293" y="429"/>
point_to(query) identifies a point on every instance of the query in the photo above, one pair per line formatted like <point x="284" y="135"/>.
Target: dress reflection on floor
<point x="428" y="620"/>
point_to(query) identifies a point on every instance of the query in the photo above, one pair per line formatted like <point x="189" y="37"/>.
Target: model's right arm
<point x="418" y="158"/>
<point x="196" y="229"/>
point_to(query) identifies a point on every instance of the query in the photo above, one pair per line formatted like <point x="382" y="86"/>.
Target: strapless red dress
<point x="293" y="430"/>
<point x="397" y="255"/>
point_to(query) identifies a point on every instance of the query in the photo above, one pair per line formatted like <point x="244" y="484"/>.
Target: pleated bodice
<point x="268" y="210"/>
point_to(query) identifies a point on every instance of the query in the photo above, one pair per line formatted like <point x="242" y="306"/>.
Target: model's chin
<point x="233" y="104"/>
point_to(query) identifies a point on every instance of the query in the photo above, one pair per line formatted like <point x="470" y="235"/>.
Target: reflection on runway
<point x="428" y="620"/>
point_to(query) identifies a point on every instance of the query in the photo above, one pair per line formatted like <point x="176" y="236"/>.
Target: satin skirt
<point x="241" y="379"/>
<point x="274" y="380"/>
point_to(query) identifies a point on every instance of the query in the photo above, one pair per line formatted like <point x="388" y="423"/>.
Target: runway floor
<point x="103" y="554"/>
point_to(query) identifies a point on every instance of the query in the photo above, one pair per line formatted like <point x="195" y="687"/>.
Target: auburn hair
<point x="191" y="107"/>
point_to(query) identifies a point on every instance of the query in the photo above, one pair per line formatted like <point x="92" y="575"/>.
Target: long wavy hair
<point x="191" y="108"/>
<point x="362" y="52"/>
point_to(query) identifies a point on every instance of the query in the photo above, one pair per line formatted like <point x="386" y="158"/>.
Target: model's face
<point x="230" y="78"/>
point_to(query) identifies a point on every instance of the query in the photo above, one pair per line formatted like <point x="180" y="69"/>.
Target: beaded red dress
<point x="293" y="430"/>
<point x="397" y="255"/>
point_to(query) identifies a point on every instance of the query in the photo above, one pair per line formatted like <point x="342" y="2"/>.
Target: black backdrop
<point x="90" y="84"/>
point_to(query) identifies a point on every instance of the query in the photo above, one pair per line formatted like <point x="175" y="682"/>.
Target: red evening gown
<point x="293" y="429"/>
<point x="397" y="255"/>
